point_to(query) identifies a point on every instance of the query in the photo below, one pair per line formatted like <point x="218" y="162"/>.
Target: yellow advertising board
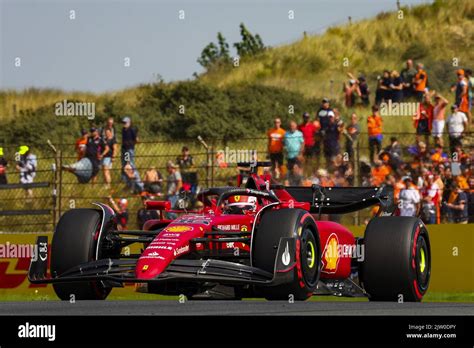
<point x="451" y="247"/>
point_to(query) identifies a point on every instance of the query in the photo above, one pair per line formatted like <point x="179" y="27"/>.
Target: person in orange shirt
<point x="374" y="128"/>
<point x="379" y="173"/>
<point x="81" y="144"/>
<point x="275" y="146"/>
<point x="420" y="81"/>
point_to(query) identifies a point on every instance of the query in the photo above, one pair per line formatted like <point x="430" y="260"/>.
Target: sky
<point x="90" y="52"/>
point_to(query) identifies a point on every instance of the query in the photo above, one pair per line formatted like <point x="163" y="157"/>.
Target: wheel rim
<point x="422" y="263"/>
<point x="309" y="257"/>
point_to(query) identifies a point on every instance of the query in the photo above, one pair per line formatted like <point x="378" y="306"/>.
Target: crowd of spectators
<point x="430" y="179"/>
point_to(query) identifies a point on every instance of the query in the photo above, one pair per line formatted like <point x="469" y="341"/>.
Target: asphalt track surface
<point x="167" y="308"/>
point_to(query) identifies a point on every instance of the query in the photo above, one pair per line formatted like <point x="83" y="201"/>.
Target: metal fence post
<point x="357" y="179"/>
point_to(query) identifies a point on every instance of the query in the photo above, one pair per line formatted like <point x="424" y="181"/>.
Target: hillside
<point x="432" y="34"/>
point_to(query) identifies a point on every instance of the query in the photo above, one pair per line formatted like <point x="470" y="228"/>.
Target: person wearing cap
<point x="3" y="168"/>
<point x="461" y="92"/>
<point x="374" y="128"/>
<point x="409" y="198"/>
<point x="129" y="140"/>
<point x="457" y="124"/>
<point x="309" y="130"/>
<point x="27" y="165"/>
<point x="331" y="139"/>
<point x="174" y="183"/>
<point x="420" y="81"/>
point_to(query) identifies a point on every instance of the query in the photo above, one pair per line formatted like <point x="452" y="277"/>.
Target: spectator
<point x="439" y="112"/>
<point x="383" y="92"/>
<point x="187" y="170"/>
<point x="27" y="166"/>
<point x="121" y="212"/>
<point x="108" y="156"/>
<point x="153" y="181"/>
<point x="470" y="85"/>
<point x="351" y="91"/>
<point x="95" y="149"/>
<point x="374" y="128"/>
<point x="363" y="90"/>
<point x="423" y="119"/>
<point x="275" y="146"/>
<point x="431" y="194"/>
<point x="295" y="176"/>
<point x="129" y="140"/>
<point x="309" y="130"/>
<point x="420" y="82"/>
<point x="3" y="168"/>
<point x="395" y="152"/>
<point x="352" y="134"/>
<point x="294" y="145"/>
<point x="379" y="173"/>
<point x="457" y="124"/>
<point x="132" y="178"/>
<point x="396" y="87"/>
<point x="81" y="144"/>
<point x="408" y="75"/>
<point x="323" y="115"/>
<point x="462" y="92"/>
<point x="174" y="183"/>
<point x="457" y="205"/>
<point x="409" y="198"/>
<point x="331" y="139"/>
<point x="439" y="156"/>
<point x="109" y="125"/>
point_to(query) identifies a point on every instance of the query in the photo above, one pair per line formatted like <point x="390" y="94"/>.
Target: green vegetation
<point x="230" y="102"/>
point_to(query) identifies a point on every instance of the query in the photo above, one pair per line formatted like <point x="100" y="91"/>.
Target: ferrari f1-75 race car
<point x="259" y="239"/>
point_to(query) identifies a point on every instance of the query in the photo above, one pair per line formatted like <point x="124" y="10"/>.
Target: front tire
<point x="397" y="263"/>
<point x="295" y="223"/>
<point x="74" y="242"/>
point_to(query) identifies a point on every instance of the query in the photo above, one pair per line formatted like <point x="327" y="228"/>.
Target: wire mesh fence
<point x="38" y="208"/>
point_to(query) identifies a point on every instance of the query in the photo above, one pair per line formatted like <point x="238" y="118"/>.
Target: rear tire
<point x="397" y="263"/>
<point x="288" y="223"/>
<point x="74" y="243"/>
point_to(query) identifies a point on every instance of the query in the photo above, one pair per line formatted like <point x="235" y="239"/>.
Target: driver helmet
<point x="240" y="204"/>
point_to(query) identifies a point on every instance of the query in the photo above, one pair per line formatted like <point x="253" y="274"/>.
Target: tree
<point x="214" y="54"/>
<point x="250" y="45"/>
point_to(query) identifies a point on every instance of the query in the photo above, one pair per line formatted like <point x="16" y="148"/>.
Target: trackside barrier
<point x="451" y="246"/>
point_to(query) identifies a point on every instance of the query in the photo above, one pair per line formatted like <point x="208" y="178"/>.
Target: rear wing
<point x="341" y="200"/>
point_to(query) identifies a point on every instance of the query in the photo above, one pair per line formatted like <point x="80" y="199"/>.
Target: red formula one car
<point x="255" y="240"/>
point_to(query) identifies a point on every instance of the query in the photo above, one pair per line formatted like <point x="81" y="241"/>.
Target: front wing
<point x="116" y="272"/>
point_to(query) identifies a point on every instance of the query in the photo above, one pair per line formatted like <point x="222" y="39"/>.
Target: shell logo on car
<point x="330" y="258"/>
<point x="178" y="229"/>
